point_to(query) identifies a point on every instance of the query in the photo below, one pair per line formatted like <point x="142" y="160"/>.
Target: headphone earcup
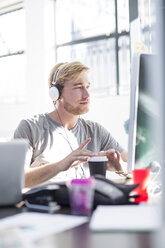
<point x="54" y="93"/>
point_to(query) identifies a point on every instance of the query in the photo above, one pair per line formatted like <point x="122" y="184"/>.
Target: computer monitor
<point x="143" y="122"/>
<point x="133" y="111"/>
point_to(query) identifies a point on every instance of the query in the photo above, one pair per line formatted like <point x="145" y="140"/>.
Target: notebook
<point x="142" y="217"/>
<point x="12" y="159"/>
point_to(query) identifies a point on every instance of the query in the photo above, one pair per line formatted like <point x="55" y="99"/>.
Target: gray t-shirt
<point x="49" y="142"/>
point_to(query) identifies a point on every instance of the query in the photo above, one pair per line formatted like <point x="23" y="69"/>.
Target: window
<point x="12" y="57"/>
<point x="96" y="32"/>
<point x="147" y="15"/>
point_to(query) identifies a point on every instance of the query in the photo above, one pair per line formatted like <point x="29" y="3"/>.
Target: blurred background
<point x="103" y="34"/>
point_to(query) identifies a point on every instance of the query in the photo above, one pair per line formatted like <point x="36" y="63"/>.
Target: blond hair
<point x="65" y="72"/>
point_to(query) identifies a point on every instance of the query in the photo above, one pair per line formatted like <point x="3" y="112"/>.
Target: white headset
<point x="54" y="91"/>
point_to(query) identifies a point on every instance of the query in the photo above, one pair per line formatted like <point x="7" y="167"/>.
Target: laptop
<point x="12" y="159"/>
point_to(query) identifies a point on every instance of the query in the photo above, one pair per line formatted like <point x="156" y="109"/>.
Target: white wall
<point x="110" y="111"/>
<point x="39" y="59"/>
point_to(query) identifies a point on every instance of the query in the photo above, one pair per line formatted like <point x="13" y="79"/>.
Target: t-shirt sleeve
<point x="108" y="141"/>
<point x="23" y="131"/>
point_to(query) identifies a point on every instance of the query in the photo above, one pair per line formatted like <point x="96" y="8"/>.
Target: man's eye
<point x="78" y="87"/>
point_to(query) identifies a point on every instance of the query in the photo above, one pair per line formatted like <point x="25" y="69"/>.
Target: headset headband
<point x="56" y="73"/>
<point x="55" y="76"/>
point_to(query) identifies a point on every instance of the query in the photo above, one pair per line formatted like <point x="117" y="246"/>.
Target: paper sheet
<point x="34" y="226"/>
<point x="142" y="217"/>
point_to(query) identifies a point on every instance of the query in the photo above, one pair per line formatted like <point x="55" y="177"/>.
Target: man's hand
<point x="113" y="160"/>
<point x="113" y="163"/>
<point x="77" y="156"/>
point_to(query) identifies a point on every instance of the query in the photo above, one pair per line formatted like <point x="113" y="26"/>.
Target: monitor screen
<point x="142" y="145"/>
<point x="146" y="121"/>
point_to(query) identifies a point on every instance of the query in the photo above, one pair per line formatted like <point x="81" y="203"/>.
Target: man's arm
<point x="23" y="132"/>
<point x="34" y="176"/>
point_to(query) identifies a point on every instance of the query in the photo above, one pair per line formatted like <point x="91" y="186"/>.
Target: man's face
<point x="75" y="95"/>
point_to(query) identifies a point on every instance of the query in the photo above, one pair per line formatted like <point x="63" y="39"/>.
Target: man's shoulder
<point x="31" y="128"/>
<point x="35" y="120"/>
<point x="38" y="118"/>
<point x="89" y="123"/>
<point x="94" y="126"/>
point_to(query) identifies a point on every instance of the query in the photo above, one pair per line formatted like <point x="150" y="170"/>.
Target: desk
<point x="81" y="237"/>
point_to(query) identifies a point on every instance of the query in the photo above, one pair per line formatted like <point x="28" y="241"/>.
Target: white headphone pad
<point x="54" y="93"/>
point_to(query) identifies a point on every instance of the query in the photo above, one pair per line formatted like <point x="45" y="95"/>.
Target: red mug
<point x="142" y="177"/>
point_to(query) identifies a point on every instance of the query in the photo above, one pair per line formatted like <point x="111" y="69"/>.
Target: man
<point x="60" y="141"/>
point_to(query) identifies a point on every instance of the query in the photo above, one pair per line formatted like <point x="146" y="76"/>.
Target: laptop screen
<point x="12" y="159"/>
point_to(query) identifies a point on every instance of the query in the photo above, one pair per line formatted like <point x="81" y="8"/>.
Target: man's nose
<point x="86" y="93"/>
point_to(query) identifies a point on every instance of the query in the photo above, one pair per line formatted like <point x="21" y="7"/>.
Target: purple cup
<point x="81" y="193"/>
